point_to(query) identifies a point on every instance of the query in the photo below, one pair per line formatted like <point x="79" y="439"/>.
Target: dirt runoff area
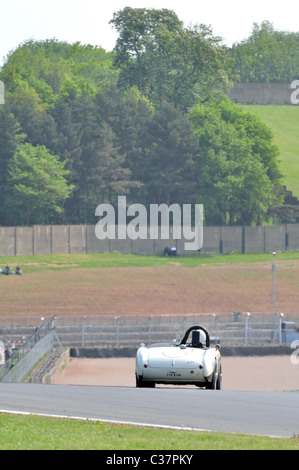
<point x="151" y="290"/>
<point x="267" y="373"/>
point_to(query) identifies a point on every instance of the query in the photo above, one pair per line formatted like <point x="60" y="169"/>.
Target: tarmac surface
<point x="259" y="413"/>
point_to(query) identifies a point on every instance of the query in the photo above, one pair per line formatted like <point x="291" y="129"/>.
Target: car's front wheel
<point x="219" y="377"/>
<point x="211" y="384"/>
<point x="215" y="381"/>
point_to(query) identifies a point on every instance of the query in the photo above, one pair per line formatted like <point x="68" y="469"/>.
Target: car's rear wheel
<point x="140" y="383"/>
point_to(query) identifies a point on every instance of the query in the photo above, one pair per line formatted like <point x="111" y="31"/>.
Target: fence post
<point x="82" y="340"/>
<point x="117" y="332"/>
<point x="216" y="327"/>
<point x="280" y="328"/>
<point x="247" y="328"/>
<point x="149" y="330"/>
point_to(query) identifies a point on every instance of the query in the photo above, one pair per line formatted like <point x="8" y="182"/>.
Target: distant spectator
<point x="7" y="270"/>
<point x="19" y="270"/>
<point x="8" y="353"/>
<point x="173" y="251"/>
<point x="167" y="251"/>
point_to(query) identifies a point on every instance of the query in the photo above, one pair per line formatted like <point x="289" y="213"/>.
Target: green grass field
<point x="30" y="264"/>
<point x="32" y="432"/>
<point x="284" y="122"/>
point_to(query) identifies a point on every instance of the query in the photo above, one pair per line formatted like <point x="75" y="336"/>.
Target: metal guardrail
<point x="25" y="357"/>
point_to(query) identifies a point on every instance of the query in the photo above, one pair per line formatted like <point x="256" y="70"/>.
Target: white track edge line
<point x="131" y="423"/>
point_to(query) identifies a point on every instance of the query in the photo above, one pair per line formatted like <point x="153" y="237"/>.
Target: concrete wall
<point x="254" y="240"/>
<point x="262" y="93"/>
<point x="7" y="241"/>
<point x="292" y="236"/>
<point x="61" y="239"/>
<point x="231" y="239"/>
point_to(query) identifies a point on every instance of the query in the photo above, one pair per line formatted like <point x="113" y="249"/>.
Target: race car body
<point x="190" y="361"/>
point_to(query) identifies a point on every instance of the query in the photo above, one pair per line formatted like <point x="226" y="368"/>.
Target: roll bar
<point x="197" y="327"/>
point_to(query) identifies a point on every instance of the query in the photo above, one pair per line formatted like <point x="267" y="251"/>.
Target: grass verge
<point x="19" y="432"/>
<point x="34" y="263"/>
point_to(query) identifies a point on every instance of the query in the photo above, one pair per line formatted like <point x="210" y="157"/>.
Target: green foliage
<point x="148" y="121"/>
<point x="37" y="183"/>
<point x="10" y="138"/>
<point x="266" y="56"/>
<point x="169" y="164"/>
<point x="52" y="68"/>
<point x="167" y="61"/>
<point x="236" y="165"/>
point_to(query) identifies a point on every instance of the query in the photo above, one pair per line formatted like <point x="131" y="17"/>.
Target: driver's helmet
<point x="199" y="338"/>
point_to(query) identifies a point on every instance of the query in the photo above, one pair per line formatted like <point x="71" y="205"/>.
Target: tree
<point x="233" y="180"/>
<point x="133" y="136"/>
<point x="165" y="60"/>
<point x="128" y="114"/>
<point x="168" y="165"/>
<point x="11" y="137"/>
<point x="37" y="182"/>
<point x="267" y="55"/>
<point x="258" y="135"/>
<point x="111" y="177"/>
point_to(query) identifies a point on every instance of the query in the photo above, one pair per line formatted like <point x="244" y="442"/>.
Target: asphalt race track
<point x="261" y="413"/>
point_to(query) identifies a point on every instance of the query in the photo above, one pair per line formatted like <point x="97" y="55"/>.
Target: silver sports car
<point x="190" y="361"/>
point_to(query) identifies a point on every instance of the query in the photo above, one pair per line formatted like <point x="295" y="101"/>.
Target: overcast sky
<point x="87" y="21"/>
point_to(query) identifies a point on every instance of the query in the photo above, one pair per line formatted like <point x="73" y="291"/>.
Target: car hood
<point x="182" y="358"/>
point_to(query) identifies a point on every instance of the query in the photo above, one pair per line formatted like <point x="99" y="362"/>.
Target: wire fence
<point x="228" y="329"/>
<point x="120" y="332"/>
<point x="21" y="359"/>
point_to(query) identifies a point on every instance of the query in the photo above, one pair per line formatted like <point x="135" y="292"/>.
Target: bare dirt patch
<point x="150" y="290"/>
<point x="271" y="373"/>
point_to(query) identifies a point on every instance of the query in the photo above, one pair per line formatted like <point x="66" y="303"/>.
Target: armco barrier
<point x="62" y="239"/>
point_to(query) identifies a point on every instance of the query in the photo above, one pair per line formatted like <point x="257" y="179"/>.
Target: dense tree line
<point x="267" y="55"/>
<point x="150" y="120"/>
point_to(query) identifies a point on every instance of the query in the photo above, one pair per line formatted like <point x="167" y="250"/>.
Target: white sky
<point x="87" y="21"/>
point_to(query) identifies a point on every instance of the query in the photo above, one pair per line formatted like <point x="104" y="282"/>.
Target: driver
<point x="198" y="339"/>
